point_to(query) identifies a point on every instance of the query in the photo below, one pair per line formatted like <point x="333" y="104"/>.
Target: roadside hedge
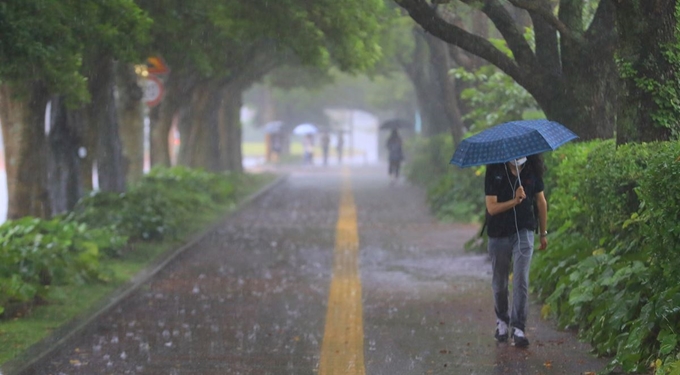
<point x="612" y="266"/>
<point x="72" y="248"/>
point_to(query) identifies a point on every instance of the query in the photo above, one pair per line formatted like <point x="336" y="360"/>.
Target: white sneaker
<point x="501" y="331"/>
<point x="519" y="338"/>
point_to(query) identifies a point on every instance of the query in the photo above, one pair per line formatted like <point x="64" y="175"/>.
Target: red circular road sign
<point x="153" y="90"/>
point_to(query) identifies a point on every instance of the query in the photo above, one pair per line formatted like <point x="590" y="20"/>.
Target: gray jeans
<point x="504" y="251"/>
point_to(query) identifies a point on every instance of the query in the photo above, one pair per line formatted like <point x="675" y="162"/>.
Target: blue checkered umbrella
<point x="511" y="140"/>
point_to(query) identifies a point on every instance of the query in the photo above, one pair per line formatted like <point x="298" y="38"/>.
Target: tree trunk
<point x="230" y="128"/>
<point x="445" y="85"/>
<point x="64" y="163"/>
<point x="88" y="154"/>
<point x="11" y="115"/>
<point x="435" y="90"/>
<point x="180" y="96"/>
<point x="200" y="144"/>
<point x="131" y="114"/>
<point x="23" y="126"/>
<point x="650" y="69"/>
<point x="212" y="152"/>
<point x="418" y="72"/>
<point x="585" y="99"/>
<point x="184" y="127"/>
<point x="103" y="116"/>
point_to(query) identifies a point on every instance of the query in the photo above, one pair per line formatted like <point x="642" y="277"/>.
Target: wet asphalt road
<point x="251" y="297"/>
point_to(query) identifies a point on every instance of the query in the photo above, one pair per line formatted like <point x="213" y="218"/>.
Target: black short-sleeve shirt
<point x="503" y="184"/>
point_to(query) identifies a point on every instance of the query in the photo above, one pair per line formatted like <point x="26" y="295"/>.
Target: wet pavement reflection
<point x="251" y="297"/>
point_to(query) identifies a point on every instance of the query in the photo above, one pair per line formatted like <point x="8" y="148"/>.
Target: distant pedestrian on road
<point x="339" y="146"/>
<point x="515" y="206"/>
<point x="325" y="144"/>
<point x="308" y="146"/>
<point x="276" y="147"/>
<point x="395" y="154"/>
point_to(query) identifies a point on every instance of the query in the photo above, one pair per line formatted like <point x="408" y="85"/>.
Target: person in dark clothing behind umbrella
<point x="395" y="154"/>
<point x="511" y="224"/>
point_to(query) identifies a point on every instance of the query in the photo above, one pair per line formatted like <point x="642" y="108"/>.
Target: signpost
<point x="151" y="75"/>
<point x="153" y="90"/>
<point x="156" y="65"/>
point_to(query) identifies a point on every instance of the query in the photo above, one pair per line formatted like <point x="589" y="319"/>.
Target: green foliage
<point x="155" y="207"/>
<point x="458" y="195"/>
<point x="47" y="40"/>
<point x="649" y="69"/>
<point x="610" y="269"/>
<point x="37" y="43"/>
<point x="120" y="28"/>
<point x="38" y="253"/>
<point x="320" y="33"/>
<point x="493" y="97"/>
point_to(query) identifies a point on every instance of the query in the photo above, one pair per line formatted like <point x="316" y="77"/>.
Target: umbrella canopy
<point x="396" y="124"/>
<point x="273" y="127"/>
<point x="303" y="129"/>
<point x="511" y="140"/>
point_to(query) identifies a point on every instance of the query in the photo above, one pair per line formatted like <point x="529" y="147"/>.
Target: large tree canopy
<point x="47" y="40"/>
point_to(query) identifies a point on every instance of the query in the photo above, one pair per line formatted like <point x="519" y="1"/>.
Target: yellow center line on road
<point x="342" y="351"/>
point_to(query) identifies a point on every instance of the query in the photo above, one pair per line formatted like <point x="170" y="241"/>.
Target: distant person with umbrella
<point x="395" y="154"/>
<point x="515" y="207"/>
<point x="307" y="131"/>
<point x="394" y="145"/>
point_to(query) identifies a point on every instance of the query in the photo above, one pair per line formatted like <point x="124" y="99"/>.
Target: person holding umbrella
<point x="515" y="207"/>
<point x="513" y="191"/>
<point x="394" y="145"/>
<point x="395" y="154"/>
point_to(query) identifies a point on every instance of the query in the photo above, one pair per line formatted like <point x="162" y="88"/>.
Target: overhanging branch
<point x="544" y="10"/>
<point x="427" y="17"/>
<point x="513" y="36"/>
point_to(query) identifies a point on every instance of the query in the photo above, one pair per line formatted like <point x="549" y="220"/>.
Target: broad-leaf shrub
<point x="156" y="206"/>
<point x="458" y="195"/>
<point x="611" y="268"/>
<point x="38" y="253"/>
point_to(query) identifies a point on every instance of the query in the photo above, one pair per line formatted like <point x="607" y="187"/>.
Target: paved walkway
<point x="329" y="273"/>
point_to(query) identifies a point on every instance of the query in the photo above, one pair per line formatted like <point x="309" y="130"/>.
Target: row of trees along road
<point x="602" y="68"/>
<point x="79" y="56"/>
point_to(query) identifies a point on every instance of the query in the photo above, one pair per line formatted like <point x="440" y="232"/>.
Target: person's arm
<point x="542" y="205"/>
<point x="494" y="207"/>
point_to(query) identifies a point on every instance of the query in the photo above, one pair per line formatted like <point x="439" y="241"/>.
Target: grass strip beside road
<point x="68" y="302"/>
